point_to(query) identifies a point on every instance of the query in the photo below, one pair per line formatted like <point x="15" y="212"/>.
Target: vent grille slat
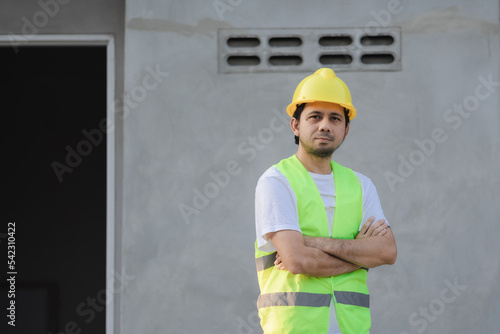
<point x="335" y="40"/>
<point x="333" y="59"/>
<point x="377" y="40"/>
<point x="243" y="42"/>
<point x="285" y="60"/>
<point x="383" y="58"/>
<point x="307" y="49"/>
<point x="243" y="60"/>
<point x="281" y="42"/>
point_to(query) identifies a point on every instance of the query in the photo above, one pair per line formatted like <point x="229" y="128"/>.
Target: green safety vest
<point x="301" y="304"/>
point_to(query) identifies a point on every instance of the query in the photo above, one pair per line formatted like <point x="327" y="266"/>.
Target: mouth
<point x="324" y="139"/>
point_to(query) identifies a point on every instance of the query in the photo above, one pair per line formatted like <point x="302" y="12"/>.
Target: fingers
<point x="278" y="259"/>
<point x="278" y="263"/>
<point x="378" y="228"/>
<point x="371" y="228"/>
<point x="367" y="225"/>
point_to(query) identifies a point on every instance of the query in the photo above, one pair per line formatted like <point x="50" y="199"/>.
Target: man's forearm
<point x="368" y="252"/>
<point x="317" y="263"/>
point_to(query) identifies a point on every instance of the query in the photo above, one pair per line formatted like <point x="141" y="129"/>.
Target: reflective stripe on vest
<point x="312" y="299"/>
<point x="352" y="298"/>
<point x="300" y="304"/>
<point x="294" y="299"/>
<point x="266" y="261"/>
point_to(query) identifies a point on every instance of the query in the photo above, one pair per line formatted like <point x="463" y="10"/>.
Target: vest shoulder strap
<point x="348" y="203"/>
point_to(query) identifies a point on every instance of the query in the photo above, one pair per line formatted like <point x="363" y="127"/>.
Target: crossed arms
<point x="373" y="246"/>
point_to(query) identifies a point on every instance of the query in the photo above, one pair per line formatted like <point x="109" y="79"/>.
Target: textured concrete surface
<point x="427" y="135"/>
<point x="195" y="142"/>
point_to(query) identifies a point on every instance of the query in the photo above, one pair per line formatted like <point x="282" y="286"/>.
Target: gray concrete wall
<point x="427" y="135"/>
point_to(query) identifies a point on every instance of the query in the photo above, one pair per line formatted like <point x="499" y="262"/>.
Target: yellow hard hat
<point x="322" y="86"/>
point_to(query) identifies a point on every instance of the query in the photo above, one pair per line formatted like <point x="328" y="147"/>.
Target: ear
<point x="294" y="124"/>
<point x="346" y="130"/>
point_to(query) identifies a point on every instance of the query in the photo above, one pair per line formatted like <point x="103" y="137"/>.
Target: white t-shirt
<point x="276" y="210"/>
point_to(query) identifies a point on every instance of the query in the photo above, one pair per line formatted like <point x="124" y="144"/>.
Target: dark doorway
<point x="54" y="189"/>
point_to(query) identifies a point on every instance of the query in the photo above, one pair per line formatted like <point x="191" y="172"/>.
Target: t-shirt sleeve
<point x="371" y="201"/>
<point x="275" y="207"/>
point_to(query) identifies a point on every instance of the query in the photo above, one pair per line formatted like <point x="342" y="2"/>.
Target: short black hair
<point x="300" y="109"/>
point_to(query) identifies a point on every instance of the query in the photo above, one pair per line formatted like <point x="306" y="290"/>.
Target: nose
<point x="325" y="125"/>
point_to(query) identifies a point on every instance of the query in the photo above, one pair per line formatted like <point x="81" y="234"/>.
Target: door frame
<point x="109" y="42"/>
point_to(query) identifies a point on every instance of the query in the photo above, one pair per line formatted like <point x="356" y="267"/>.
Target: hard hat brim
<point x="293" y="106"/>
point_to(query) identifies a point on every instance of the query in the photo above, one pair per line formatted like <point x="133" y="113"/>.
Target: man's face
<point x="321" y="128"/>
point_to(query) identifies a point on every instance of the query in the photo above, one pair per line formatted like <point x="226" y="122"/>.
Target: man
<point x="319" y="225"/>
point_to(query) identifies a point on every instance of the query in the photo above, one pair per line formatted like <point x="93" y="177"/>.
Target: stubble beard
<point x="321" y="152"/>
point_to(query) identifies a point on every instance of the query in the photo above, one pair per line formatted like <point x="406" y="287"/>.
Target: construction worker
<point x="319" y="225"/>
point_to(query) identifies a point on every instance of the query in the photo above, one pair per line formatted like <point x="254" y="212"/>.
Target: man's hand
<point x="279" y="263"/>
<point x="371" y="229"/>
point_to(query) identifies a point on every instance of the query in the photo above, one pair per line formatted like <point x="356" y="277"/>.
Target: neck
<point x="313" y="163"/>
